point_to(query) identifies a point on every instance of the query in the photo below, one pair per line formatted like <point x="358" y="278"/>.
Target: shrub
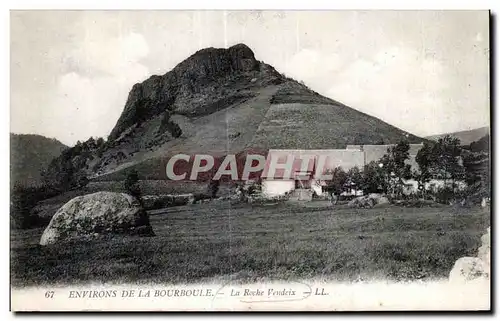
<point x="445" y="195"/>
<point x="131" y="184"/>
<point x="213" y="188"/>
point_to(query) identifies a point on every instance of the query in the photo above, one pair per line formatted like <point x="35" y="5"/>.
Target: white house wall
<point x="271" y="188"/>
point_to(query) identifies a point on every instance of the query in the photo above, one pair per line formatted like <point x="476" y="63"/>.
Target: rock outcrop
<point x="476" y="269"/>
<point x="199" y="77"/>
<point x="97" y="214"/>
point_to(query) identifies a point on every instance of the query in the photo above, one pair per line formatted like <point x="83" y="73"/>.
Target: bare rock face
<point x="476" y="269"/>
<point x="96" y="214"/>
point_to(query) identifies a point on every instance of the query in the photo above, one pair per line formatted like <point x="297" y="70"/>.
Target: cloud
<point x="397" y="85"/>
<point x="311" y="65"/>
<point x="95" y="86"/>
<point x="99" y="54"/>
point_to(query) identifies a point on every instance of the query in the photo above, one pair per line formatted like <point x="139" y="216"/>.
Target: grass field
<point x="253" y="243"/>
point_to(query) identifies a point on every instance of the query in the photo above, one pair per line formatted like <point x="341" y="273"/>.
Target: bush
<point x="447" y="195"/>
<point x="131" y="184"/>
<point x="213" y="188"/>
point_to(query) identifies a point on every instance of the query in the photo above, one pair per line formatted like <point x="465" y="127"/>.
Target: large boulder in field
<point x="97" y="214"/>
<point x="484" y="252"/>
<point x="468" y="269"/>
<point x="475" y="269"/>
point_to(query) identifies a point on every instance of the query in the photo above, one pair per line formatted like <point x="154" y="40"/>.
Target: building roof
<point x="309" y="160"/>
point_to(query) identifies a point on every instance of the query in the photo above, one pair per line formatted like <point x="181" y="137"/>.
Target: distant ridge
<point x="29" y="155"/>
<point x="466" y="136"/>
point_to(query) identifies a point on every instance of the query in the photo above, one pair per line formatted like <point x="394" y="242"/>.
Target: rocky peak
<point x="207" y="69"/>
<point x="212" y="61"/>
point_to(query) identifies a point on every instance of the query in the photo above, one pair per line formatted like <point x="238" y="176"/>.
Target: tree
<point x="446" y="153"/>
<point x="77" y="149"/>
<point x="394" y="164"/>
<point x="100" y="142"/>
<point x="91" y="143"/>
<point x="61" y="173"/>
<point x="373" y="179"/>
<point x="132" y="186"/>
<point x="355" y="178"/>
<point x="426" y="161"/>
<point x="338" y="181"/>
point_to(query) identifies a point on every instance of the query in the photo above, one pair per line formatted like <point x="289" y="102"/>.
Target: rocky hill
<point x="223" y="101"/>
<point x="29" y="155"/>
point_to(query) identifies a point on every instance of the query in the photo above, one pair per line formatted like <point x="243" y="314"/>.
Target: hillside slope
<point x="467" y="136"/>
<point x="222" y="101"/>
<point x="29" y="155"/>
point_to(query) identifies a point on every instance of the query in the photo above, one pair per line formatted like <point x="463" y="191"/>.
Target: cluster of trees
<point x="444" y="160"/>
<point x="441" y="160"/>
<point x="380" y="176"/>
<point x="69" y="170"/>
<point x="372" y="179"/>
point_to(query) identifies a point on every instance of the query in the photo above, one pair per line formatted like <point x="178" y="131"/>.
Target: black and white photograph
<point x="250" y="160"/>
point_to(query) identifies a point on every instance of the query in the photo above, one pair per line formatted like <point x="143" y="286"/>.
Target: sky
<point x="426" y="72"/>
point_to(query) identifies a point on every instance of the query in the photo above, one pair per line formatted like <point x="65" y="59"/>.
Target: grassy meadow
<point x="246" y="242"/>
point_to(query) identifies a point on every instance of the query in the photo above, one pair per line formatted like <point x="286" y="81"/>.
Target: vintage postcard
<point x="219" y="160"/>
